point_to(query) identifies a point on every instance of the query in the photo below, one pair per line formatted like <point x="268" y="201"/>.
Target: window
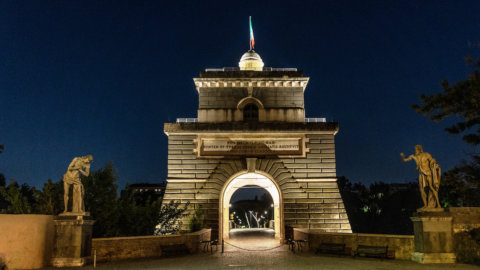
<point x="250" y="113"/>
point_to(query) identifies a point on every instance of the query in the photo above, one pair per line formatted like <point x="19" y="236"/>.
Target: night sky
<point x="101" y="77"/>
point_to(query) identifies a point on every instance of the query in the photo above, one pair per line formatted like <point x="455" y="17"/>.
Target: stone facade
<point x="298" y="156"/>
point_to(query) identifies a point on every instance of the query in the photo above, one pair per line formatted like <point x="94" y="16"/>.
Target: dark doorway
<point x="250" y="113"/>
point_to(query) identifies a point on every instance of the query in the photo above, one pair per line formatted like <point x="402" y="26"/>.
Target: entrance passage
<point x="246" y="221"/>
<point x="253" y="239"/>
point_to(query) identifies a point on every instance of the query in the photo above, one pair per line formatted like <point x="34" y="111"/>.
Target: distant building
<point x="158" y="189"/>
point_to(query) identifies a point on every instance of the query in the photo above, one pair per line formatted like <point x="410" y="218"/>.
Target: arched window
<point x="250" y="113"/>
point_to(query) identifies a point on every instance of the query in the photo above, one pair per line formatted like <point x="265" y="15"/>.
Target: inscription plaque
<point x="253" y="147"/>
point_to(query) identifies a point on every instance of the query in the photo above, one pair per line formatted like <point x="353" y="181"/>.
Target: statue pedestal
<point x="433" y="236"/>
<point x="73" y="239"/>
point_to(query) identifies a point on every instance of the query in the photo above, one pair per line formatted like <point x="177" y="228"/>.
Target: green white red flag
<point x="252" y="40"/>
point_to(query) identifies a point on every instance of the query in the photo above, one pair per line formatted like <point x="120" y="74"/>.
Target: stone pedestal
<point x="73" y="239"/>
<point x="433" y="237"/>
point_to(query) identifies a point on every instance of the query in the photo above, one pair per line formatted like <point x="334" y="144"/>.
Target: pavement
<point x="257" y="249"/>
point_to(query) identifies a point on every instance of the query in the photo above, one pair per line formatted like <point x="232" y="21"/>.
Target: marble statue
<point x="79" y="166"/>
<point x="429" y="176"/>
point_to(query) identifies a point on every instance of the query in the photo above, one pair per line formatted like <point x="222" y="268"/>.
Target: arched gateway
<point x="251" y="130"/>
<point x="242" y="179"/>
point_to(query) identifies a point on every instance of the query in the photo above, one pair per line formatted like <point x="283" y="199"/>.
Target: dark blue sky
<point x="101" y="77"/>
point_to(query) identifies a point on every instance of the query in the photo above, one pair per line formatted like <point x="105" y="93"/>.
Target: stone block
<point x="180" y="186"/>
<point x="433" y="237"/>
<point x="325" y="216"/>
<point x="324" y="195"/>
<point x="321" y="174"/>
<point x="322" y="185"/>
<point x="321" y="165"/>
<point x="73" y="240"/>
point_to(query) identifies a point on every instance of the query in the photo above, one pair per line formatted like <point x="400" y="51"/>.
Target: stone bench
<point x="332" y="248"/>
<point x="372" y="251"/>
<point x="174" y="250"/>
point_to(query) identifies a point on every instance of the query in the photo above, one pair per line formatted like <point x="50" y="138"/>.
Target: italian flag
<point x="252" y="40"/>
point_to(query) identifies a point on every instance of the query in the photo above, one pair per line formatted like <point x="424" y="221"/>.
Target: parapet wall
<point x="465" y="218"/>
<point x="123" y="248"/>
<point x="26" y="241"/>
<point x="401" y="245"/>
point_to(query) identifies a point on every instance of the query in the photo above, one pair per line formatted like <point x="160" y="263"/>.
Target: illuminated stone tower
<point x="251" y="130"/>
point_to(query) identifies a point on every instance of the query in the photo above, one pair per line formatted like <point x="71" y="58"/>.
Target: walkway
<point x="255" y="239"/>
<point x="276" y="258"/>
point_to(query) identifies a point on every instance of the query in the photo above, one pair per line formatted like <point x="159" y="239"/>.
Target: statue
<point x="429" y="176"/>
<point x="79" y="165"/>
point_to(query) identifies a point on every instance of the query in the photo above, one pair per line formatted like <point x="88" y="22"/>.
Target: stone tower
<point x="251" y="130"/>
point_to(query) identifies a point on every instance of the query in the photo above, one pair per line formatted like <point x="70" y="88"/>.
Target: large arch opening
<point x="259" y="181"/>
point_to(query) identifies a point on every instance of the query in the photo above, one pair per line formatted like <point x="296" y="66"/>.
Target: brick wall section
<point x="401" y="245"/>
<point x="123" y="248"/>
<point x="271" y="97"/>
<point x="316" y="205"/>
<point x="184" y="165"/>
<point x="220" y="98"/>
<point x="280" y="97"/>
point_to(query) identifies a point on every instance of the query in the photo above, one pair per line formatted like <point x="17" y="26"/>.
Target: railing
<point x="307" y="120"/>
<point x="187" y="120"/>
<point x="237" y="69"/>
<point x="316" y="120"/>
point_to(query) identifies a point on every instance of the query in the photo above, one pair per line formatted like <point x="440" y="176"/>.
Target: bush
<point x="197" y="221"/>
<point x="467" y="246"/>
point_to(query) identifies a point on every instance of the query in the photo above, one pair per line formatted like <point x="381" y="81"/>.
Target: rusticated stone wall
<point x="308" y="185"/>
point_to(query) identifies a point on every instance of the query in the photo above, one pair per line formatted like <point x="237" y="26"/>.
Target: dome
<point x="251" y="61"/>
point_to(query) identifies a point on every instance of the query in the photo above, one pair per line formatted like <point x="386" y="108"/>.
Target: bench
<point x="372" y="251"/>
<point x="331" y="248"/>
<point x="209" y="244"/>
<point x="174" y="250"/>
<point x="299" y="244"/>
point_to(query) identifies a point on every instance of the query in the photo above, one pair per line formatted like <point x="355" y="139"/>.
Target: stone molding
<point x="261" y="128"/>
<point x="251" y="82"/>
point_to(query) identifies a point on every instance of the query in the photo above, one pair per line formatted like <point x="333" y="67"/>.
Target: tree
<point x="101" y="200"/>
<point x="17" y="202"/>
<point x="3" y="181"/>
<point x="169" y="217"/>
<point x="462" y="100"/>
<point x="461" y="185"/>
<point x="138" y="215"/>
<point x="381" y="208"/>
<point x="49" y="200"/>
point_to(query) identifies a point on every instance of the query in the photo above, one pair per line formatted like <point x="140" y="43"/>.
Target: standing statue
<point x="78" y="166"/>
<point x="429" y="176"/>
